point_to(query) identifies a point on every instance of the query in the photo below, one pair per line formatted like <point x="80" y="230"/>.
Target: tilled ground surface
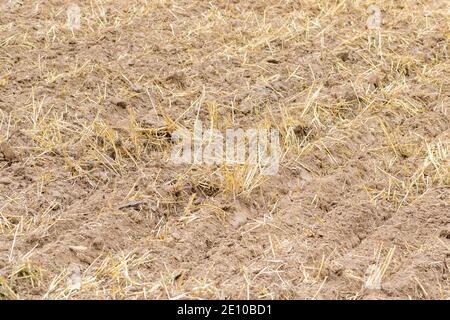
<point x="91" y="205"/>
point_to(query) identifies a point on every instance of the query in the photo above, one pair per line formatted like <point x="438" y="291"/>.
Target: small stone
<point x="78" y="248"/>
<point x="97" y="243"/>
<point x="344" y="56"/>
<point x="238" y="219"/>
<point x="8" y="153"/>
<point x="119" y="102"/>
<point x="273" y="60"/>
<point x="136" y="88"/>
<point x="74" y="279"/>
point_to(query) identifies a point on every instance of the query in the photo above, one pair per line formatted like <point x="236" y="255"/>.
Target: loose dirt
<point x="91" y="205"/>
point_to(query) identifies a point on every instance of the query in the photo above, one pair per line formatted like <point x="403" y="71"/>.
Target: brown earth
<point x="91" y="206"/>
